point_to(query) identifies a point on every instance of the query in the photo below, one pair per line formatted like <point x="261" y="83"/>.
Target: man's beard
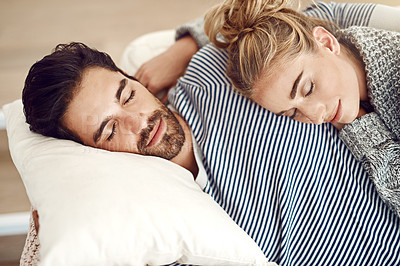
<point x="171" y="143"/>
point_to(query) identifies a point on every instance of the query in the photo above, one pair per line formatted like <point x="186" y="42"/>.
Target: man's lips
<point x="156" y="133"/>
<point x="337" y="114"/>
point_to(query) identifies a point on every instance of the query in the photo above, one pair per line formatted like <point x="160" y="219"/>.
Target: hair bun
<point x="234" y="19"/>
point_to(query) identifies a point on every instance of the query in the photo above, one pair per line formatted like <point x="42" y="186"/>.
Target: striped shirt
<point x="344" y="15"/>
<point x="294" y="188"/>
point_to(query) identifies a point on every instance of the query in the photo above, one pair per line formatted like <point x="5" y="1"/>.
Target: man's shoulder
<point x="207" y="67"/>
<point x="212" y="54"/>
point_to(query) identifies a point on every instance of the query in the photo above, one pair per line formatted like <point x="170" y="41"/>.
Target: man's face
<point x="112" y="112"/>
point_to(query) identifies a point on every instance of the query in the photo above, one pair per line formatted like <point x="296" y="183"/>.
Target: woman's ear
<point x="326" y="39"/>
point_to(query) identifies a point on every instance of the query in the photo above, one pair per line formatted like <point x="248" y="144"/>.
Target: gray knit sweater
<point x="374" y="138"/>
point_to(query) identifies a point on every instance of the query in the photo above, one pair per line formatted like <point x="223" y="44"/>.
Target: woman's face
<point x="319" y="87"/>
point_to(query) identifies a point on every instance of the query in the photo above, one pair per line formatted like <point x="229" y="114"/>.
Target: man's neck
<point x="186" y="158"/>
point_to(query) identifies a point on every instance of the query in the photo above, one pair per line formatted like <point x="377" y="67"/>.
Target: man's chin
<point x="166" y="154"/>
<point x="169" y="147"/>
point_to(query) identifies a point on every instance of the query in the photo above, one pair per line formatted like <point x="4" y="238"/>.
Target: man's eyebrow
<point x="121" y="87"/>
<point x="97" y="134"/>
<point x="295" y="84"/>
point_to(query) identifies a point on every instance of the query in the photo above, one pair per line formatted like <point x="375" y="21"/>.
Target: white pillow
<point x="145" y="47"/>
<point x="105" y="208"/>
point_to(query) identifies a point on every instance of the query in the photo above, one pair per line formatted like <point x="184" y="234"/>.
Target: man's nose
<point x="134" y="123"/>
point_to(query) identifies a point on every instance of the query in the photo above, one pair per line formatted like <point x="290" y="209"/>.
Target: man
<point x="94" y="103"/>
<point x="301" y="210"/>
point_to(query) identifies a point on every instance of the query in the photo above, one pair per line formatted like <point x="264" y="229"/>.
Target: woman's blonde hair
<point x="256" y="33"/>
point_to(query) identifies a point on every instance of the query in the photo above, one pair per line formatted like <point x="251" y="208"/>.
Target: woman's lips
<point x="157" y="133"/>
<point x="337" y="114"/>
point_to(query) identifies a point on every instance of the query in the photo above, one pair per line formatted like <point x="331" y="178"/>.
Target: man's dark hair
<point x="52" y="82"/>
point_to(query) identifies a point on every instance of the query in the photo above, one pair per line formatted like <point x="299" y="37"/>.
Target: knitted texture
<point x="380" y="51"/>
<point x="30" y="254"/>
<point x="195" y="29"/>
<point x="374" y="138"/>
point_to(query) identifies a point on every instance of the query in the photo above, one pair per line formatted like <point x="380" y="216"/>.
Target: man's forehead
<point x="97" y="75"/>
<point x="89" y="105"/>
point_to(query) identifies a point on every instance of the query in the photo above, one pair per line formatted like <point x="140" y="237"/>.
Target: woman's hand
<point x="162" y="72"/>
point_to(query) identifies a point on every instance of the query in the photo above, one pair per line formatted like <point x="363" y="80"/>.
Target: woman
<point x="304" y="68"/>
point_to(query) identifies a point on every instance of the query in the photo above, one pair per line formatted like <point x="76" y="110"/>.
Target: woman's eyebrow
<point x="121" y="87"/>
<point x="293" y="92"/>
<point x="295" y="85"/>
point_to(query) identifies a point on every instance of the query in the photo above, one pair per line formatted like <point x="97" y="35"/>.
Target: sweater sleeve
<point x="378" y="149"/>
<point x="194" y="28"/>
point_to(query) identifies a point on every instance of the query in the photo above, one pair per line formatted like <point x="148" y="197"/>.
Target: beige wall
<point x="30" y="29"/>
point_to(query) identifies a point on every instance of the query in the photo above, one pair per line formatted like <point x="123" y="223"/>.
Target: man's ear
<point x="326" y="39"/>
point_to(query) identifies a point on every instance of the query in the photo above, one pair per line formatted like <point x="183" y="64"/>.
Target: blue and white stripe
<point x="343" y="14"/>
<point x="294" y="188"/>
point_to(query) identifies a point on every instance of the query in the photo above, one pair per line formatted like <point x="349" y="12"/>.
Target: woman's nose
<point x="314" y="113"/>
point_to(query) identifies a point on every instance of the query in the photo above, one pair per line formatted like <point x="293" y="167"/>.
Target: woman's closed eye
<point x="130" y="97"/>
<point x="311" y="90"/>
<point x="312" y="86"/>
<point x="113" y="131"/>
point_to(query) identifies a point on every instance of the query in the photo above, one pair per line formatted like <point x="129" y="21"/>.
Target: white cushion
<point x="105" y="208"/>
<point x="145" y="47"/>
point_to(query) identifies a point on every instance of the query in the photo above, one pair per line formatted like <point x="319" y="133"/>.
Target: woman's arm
<point x="344" y="15"/>
<point x="357" y="14"/>
<point x="385" y="17"/>
<point x="195" y="29"/>
<point x="378" y="149"/>
<point x="162" y="72"/>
